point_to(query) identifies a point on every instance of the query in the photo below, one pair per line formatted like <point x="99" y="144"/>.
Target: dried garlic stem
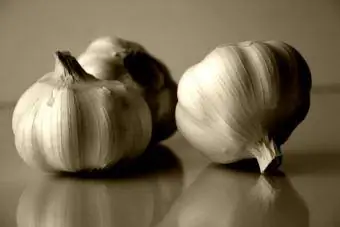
<point x="265" y="153"/>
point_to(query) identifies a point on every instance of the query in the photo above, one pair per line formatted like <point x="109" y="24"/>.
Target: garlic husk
<point x="115" y="58"/>
<point x="69" y="121"/>
<point x="244" y="100"/>
<point x="103" y="58"/>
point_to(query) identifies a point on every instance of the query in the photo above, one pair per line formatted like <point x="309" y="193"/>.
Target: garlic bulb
<point x="69" y="120"/>
<point x="129" y="62"/>
<point x="244" y="100"/>
<point x="103" y="58"/>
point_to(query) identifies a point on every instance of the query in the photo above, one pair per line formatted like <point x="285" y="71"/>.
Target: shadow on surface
<point x="312" y="163"/>
<point x="155" y="160"/>
<point x="251" y="166"/>
<point x="246" y="165"/>
<point x="293" y="162"/>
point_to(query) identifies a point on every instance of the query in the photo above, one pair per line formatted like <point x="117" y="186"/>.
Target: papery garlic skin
<point x="115" y="58"/>
<point x="70" y="121"/>
<point x="243" y="100"/>
<point x="103" y="57"/>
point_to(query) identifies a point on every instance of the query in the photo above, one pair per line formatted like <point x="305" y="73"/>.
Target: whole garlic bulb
<point x="69" y="120"/>
<point x="244" y="100"/>
<point x="114" y="58"/>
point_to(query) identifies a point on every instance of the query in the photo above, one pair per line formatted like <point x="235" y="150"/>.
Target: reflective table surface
<point x="173" y="185"/>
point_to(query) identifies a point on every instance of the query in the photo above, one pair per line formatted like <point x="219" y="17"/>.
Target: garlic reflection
<point x="72" y="202"/>
<point x="221" y="197"/>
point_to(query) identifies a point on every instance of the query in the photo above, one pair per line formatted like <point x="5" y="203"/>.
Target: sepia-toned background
<point x="180" y="32"/>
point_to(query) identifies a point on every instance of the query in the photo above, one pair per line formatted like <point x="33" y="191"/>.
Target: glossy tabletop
<point x="173" y="185"/>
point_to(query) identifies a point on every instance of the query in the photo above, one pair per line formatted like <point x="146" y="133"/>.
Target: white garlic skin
<point x="244" y="100"/>
<point x="86" y="124"/>
<point x="103" y="58"/>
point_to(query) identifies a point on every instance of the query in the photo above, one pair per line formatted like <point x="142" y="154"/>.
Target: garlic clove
<point x="24" y="127"/>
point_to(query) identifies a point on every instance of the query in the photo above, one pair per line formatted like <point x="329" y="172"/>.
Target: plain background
<point x="179" y="32"/>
